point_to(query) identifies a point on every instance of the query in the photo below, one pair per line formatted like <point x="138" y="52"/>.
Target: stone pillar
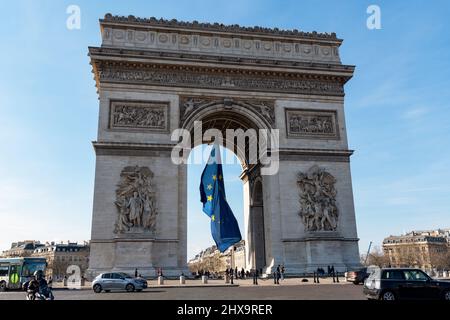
<point x="182" y="280"/>
<point x="204" y="280"/>
<point x="160" y="280"/>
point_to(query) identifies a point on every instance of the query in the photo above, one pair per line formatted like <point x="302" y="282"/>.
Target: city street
<point x="291" y="289"/>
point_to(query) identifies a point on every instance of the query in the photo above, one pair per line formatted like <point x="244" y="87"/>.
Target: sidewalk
<point x="175" y="283"/>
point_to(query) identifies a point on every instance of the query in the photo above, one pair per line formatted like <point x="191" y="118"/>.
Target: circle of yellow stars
<point x="210" y="197"/>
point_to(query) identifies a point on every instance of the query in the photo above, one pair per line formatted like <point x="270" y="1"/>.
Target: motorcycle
<point x="43" y="293"/>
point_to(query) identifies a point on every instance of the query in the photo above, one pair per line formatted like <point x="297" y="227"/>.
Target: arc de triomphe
<point x="154" y="76"/>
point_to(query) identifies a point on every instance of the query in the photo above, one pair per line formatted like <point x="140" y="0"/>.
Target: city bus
<point x="14" y="272"/>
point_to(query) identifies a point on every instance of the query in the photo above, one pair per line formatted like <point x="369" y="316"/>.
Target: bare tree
<point x="441" y="260"/>
<point x="376" y="257"/>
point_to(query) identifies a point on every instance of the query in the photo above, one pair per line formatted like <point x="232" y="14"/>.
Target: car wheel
<point x="129" y="287"/>
<point x="388" y="296"/>
<point x="97" y="288"/>
<point x="2" y="286"/>
<point x="446" y="295"/>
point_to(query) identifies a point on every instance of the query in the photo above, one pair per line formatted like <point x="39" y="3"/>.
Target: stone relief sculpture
<point x="149" y="75"/>
<point x="302" y="123"/>
<point x="135" y="201"/>
<point x="318" y="209"/>
<point x="138" y="115"/>
<point x="265" y="110"/>
<point x="189" y="104"/>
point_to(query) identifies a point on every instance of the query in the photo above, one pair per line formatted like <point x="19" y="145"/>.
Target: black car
<point x="358" y="276"/>
<point x="404" y="284"/>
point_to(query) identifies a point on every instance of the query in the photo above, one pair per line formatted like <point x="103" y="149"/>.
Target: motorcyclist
<point x="38" y="285"/>
<point x="31" y="287"/>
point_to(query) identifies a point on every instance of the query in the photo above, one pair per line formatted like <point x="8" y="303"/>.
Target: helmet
<point x="39" y="274"/>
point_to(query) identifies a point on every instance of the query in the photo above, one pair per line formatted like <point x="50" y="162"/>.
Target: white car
<point x="118" y="281"/>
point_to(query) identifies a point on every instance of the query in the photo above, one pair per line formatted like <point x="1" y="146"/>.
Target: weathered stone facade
<point x="154" y="76"/>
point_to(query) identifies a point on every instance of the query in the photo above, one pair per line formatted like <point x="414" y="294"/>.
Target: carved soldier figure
<point x="326" y="215"/>
<point x="135" y="209"/>
<point x="122" y="223"/>
<point x="148" y="216"/>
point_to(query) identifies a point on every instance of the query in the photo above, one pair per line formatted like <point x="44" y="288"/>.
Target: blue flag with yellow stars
<point x="224" y="226"/>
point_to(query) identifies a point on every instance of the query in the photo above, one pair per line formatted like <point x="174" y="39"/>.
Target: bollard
<point x="65" y="282"/>
<point x="160" y="280"/>
<point x="182" y="280"/>
<point x="204" y="280"/>
<point x="227" y="279"/>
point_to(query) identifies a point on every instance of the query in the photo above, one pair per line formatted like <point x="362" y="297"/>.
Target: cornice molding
<point x="216" y="27"/>
<point x="137" y="54"/>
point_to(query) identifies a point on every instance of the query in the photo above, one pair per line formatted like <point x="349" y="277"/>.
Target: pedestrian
<point x="242" y="273"/>
<point x="231" y="275"/>
<point x="278" y="274"/>
<point x="136" y="273"/>
<point x="329" y="270"/>
<point x="255" y="276"/>
<point x="274" y="277"/>
<point x="282" y="272"/>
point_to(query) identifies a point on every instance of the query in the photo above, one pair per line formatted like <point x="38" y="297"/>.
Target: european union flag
<point x="224" y="226"/>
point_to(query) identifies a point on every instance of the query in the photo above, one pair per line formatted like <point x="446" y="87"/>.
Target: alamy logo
<point x="73" y="21"/>
<point x="374" y="20"/>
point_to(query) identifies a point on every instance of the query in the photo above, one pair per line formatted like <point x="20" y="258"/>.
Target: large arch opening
<point x="243" y="182"/>
<point x="198" y="224"/>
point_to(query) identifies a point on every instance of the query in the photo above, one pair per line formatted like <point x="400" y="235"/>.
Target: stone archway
<point x="227" y="113"/>
<point x="155" y="76"/>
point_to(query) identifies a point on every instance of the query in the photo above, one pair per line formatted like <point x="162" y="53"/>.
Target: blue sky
<point x="397" y="110"/>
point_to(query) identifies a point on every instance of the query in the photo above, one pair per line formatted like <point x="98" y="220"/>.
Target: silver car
<point x="117" y="281"/>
